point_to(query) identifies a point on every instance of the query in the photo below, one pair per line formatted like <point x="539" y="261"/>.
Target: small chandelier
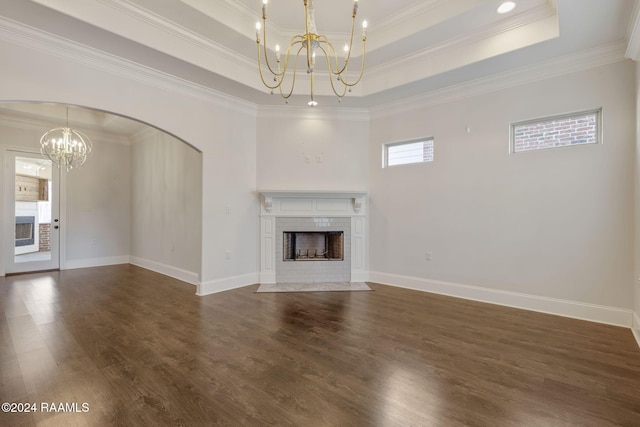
<point x="309" y="44"/>
<point x="65" y="146"/>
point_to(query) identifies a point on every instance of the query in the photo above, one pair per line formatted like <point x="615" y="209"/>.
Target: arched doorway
<point x="126" y="204"/>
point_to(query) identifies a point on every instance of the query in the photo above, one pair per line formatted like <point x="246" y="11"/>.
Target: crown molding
<point x="32" y="38"/>
<point x="171" y="38"/>
<point x="316" y="113"/>
<point x="633" y="34"/>
<point x="531" y="27"/>
<point x="410" y="20"/>
<point x="603" y="55"/>
<point x="147" y="17"/>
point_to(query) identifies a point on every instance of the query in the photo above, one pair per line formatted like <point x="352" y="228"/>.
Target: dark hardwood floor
<point x="142" y="350"/>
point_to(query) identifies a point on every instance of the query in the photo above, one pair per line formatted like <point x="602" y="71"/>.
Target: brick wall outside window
<point x="45" y="237"/>
<point x="561" y="131"/>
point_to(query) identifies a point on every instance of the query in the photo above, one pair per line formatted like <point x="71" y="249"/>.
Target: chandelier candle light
<point x="309" y="44"/>
<point x="65" y="146"/>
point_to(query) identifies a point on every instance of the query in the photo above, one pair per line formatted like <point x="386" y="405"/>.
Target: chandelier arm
<point x="333" y="87"/>
<point x="266" y="51"/>
<point x="264" y="82"/>
<point x="295" y="70"/>
<point x="346" y="83"/>
<point x="348" y="57"/>
<point x="294" y="41"/>
<point x="330" y="54"/>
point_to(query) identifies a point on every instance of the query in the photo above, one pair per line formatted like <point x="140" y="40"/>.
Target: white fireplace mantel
<point x="313" y="204"/>
<point x="357" y="197"/>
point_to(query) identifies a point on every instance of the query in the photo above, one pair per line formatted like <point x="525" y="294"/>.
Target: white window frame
<point x="386" y="146"/>
<point x="598" y="140"/>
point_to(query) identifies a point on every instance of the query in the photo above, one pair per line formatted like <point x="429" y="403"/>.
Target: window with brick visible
<point x="559" y="131"/>
<point x="408" y="152"/>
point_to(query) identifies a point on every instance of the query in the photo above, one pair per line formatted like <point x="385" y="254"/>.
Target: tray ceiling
<point x="413" y="47"/>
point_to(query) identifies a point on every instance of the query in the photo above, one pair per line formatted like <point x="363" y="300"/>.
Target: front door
<point x="32" y="213"/>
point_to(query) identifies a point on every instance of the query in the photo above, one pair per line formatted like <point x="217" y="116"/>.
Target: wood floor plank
<point x="142" y="349"/>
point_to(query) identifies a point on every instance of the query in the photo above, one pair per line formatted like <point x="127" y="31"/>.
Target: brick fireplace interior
<point x="313" y="246"/>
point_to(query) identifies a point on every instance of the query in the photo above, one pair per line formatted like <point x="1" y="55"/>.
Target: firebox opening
<point x="313" y="246"/>
<point x="25" y="230"/>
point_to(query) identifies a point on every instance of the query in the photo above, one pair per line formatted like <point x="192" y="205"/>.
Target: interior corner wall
<point x="224" y="130"/>
<point x="636" y="318"/>
<point x="552" y="224"/>
<point x="166" y="205"/>
<point x="312" y="149"/>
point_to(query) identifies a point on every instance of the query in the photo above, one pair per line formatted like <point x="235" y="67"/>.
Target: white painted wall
<point x="230" y="213"/>
<point x="166" y="204"/>
<point x="223" y="129"/>
<point x="312" y="149"/>
<point x="98" y="207"/>
<point x="554" y="223"/>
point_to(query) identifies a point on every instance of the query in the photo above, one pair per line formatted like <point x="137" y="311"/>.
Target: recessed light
<point x="506" y="7"/>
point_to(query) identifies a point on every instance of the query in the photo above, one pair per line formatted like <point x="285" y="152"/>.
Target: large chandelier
<point x="309" y="45"/>
<point x="65" y="147"/>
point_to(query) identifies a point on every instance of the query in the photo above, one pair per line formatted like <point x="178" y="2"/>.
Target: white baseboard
<point x="636" y="327"/>
<point x="167" y="270"/>
<point x="577" y="310"/>
<point x="72" y="264"/>
<point x="227" y="283"/>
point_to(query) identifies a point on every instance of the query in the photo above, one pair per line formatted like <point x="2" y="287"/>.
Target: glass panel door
<point x="33" y="214"/>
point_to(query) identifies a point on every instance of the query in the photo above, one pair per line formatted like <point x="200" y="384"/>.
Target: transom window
<point x="557" y="131"/>
<point x="407" y="152"/>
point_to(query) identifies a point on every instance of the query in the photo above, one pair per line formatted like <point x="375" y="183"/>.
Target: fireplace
<point x="330" y="236"/>
<point x="313" y="236"/>
<point x="313" y="246"/>
<point x="25" y="230"/>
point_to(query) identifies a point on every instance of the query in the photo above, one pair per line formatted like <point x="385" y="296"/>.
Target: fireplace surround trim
<point x="314" y="204"/>
<point x="357" y="197"/>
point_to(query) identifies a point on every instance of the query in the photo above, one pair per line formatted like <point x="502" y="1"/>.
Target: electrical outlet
<point x="427" y="256"/>
<point x="307" y="158"/>
<point x="227" y="254"/>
